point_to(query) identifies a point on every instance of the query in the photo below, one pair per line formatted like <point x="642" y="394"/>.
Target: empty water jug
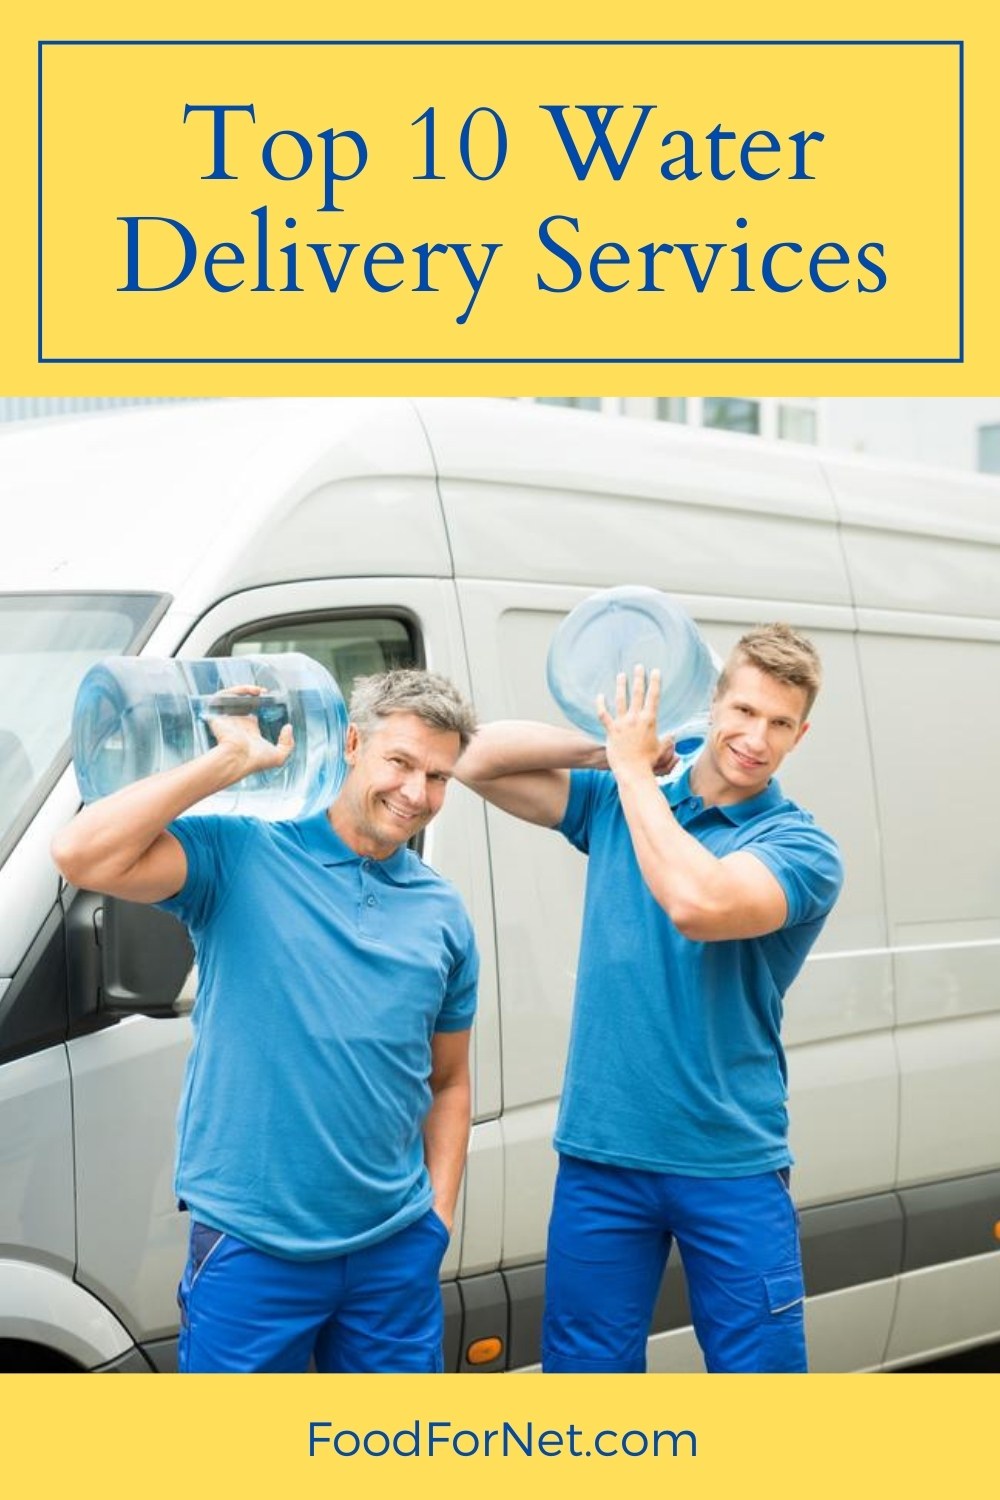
<point x="137" y="715"/>
<point x="615" y="631"/>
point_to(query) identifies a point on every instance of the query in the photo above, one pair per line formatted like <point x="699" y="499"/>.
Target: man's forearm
<point x="511" y="747"/>
<point x="682" y="875"/>
<point x="708" y="899"/>
<point x="446" y="1143"/>
<point x="523" y="767"/>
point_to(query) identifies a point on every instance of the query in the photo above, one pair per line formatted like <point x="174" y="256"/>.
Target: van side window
<point x="348" y="645"/>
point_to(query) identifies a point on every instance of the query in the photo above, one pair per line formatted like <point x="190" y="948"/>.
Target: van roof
<point x="153" y="497"/>
<point x="199" y="499"/>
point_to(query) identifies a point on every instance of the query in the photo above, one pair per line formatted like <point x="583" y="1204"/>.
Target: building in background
<point x="31" y="408"/>
<point x="797" y="419"/>
<point x="961" y="433"/>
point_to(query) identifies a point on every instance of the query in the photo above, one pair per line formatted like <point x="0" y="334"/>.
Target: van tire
<point x="18" y="1357"/>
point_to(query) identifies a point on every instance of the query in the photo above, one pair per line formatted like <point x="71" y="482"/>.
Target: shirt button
<point x="371" y="900"/>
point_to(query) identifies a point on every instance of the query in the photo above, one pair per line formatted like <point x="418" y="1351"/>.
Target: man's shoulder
<point x="779" y="810"/>
<point x="421" y="877"/>
<point x="591" y="792"/>
<point x="253" y="850"/>
<point x="787" y="836"/>
<point x="415" y="871"/>
<point x="223" y="833"/>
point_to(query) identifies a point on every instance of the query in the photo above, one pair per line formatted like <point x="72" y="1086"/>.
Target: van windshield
<point x="47" y="642"/>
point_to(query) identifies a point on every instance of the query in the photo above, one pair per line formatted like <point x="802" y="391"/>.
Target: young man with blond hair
<point x="703" y="899"/>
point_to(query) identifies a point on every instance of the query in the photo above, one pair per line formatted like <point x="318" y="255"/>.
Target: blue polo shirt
<point x="322" y="977"/>
<point x="675" y="1059"/>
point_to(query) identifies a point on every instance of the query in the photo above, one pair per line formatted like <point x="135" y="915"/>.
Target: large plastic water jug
<point x="137" y="715"/>
<point x="621" y="628"/>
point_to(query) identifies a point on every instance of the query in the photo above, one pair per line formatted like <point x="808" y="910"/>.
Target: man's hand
<point x="119" y="844"/>
<point x="240" y="733"/>
<point x="633" y="741"/>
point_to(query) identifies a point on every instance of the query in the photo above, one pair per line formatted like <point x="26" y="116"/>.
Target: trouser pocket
<point x="202" y="1245"/>
<point x="783" y="1342"/>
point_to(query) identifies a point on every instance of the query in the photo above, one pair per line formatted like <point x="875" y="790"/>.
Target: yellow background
<point x="821" y="1436"/>
<point x="878" y="1436"/>
<point x="885" y="172"/>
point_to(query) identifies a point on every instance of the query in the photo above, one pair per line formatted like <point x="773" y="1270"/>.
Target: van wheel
<point x="17" y="1357"/>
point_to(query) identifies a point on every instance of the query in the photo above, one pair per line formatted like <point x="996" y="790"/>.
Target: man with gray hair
<point x="325" y="1114"/>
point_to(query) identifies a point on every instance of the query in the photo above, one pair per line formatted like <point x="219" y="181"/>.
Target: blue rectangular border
<point x="955" y="359"/>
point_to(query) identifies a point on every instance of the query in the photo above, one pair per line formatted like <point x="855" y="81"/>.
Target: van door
<point x="48" y="639"/>
<point x="838" y="1030"/>
<point x="923" y="549"/>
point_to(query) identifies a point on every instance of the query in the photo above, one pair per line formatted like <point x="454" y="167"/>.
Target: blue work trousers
<point x="609" y="1238"/>
<point x="375" y="1310"/>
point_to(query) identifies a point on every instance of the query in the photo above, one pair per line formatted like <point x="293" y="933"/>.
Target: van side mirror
<point x="146" y="955"/>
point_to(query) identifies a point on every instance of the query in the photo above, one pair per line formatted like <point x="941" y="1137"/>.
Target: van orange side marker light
<point x="485" y="1351"/>
<point x="996" y="1230"/>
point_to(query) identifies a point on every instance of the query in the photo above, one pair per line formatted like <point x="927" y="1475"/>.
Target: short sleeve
<point x="213" y="847"/>
<point x="586" y="790"/>
<point x="458" y="1008"/>
<point x="806" y="862"/>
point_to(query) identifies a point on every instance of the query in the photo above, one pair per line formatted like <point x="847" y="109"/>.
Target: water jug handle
<point x="237" y="703"/>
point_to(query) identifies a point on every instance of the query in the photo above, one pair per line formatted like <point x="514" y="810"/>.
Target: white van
<point x="456" y="533"/>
